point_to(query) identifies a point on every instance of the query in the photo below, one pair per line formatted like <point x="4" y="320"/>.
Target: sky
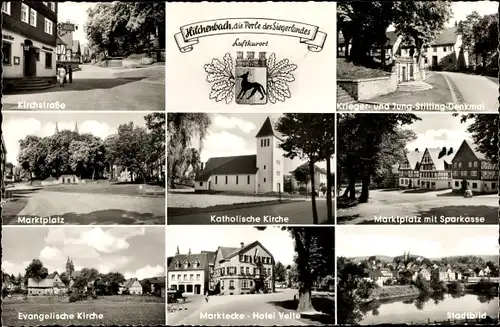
<point x="17" y="125"/>
<point x="76" y="13"/>
<point x="431" y="241"/>
<point x="132" y="251"/>
<point x="437" y="130"/>
<point x="234" y="134"/>
<point x="209" y="238"/>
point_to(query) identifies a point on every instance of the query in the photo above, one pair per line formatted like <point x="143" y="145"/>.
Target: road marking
<point x="453" y="95"/>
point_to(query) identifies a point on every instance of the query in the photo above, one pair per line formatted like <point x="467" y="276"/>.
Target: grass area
<point x="349" y="70"/>
<point x="394" y="291"/>
<point x="325" y="305"/>
<point x="105" y="187"/>
<point x="13" y="206"/>
<point x="116" y="310"/>
<point x="439" y="94"/>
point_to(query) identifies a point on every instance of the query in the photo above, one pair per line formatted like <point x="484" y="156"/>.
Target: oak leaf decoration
<point x="220" y="74"/>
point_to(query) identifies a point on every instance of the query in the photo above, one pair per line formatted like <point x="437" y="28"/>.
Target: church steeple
<point x="56" y="132"/>
<point x="76" y="128"/>
<point x="177" y="252"/>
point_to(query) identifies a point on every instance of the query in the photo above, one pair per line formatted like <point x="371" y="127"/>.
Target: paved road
<point x="438" y="203"/>
<point x="87" y="208"/>
<point x="97" y="88"/>
<point x="476" y="89"/>
<point x="297" y="212"/>
<point x="253" y="309"/>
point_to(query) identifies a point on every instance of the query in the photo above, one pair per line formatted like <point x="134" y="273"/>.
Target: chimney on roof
<point x="242" y="244"/>
<point x="416" y="149"/>
<point x="202" y="165"/>
<point x="189" y="251"/>
<point x="177" y="252"/>
<point x="450" y="151"/>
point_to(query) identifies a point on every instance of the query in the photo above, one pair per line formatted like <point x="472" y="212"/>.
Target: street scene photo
<point x="431" y="168"/>
<point x="83" y="168"/>
<point x="417" y="55"/>
<point x="424" y="275"/>
<point x="83" y="55"/>
<point x="250" y="168"/>
<point x="244" y="275"/>
<point x="63" y="276"/>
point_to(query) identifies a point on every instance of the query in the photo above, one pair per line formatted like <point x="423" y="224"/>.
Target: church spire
<point x="177" y="252"/>
<point x="76" y="128"/>
<point x="56" y="132"/>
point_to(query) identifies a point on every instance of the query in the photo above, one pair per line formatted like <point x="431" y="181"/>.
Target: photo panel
<point x="253" y="169"/>
<point x="96" y="56"/>
<point x="225" y="57"/>
<point x="417" y="275"/>
<point x="79" y="275"/>
<point x="66" y="168"/>
<point x="418" y="55"/>
<point x="246" y="275"/>
<point x="422" y="168"/>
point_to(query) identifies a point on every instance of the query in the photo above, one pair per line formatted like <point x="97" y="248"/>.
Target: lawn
<point x="194" y="200"/>
<point x="117" y="310"/>
<point x="348" y="70"/>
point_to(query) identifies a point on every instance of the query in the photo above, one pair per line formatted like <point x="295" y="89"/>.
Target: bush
<point x="74" y="297"/>
<point x="252" y="290"/>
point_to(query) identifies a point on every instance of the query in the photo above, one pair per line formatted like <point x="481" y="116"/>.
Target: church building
<point x="258" y="173"/>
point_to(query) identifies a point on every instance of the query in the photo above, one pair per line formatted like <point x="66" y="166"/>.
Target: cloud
<point x="146" y="272"/>
<point x="225" y="144"/>
<point x="94" y="239"/>
<point x="225" y="123"/>
<point x="14" y="268"/>
<point x="438" y="139"/>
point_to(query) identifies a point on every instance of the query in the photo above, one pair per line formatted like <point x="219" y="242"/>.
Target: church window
<point x="215" y="179"/>
<point x="261" y="143"/>
<point x="268" y="142"/>
<point x="278" y="173"/>
<point x="264" y="179"/>
<point x="278" y="162"/>
<point x="236" y="179"/>
<point x="201" y="183"/>
<point x="264" y="166"/>
<point x="248" y="179"/>
<point x="226" y="179"/>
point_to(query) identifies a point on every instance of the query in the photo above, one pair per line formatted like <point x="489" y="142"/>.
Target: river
<point x="418" y="310"/>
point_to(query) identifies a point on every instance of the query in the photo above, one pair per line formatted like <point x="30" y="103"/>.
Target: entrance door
<point x="428" y="185"/>
<point x="197" y="289"/>
<point x="412" y="72"/>
<point x="30" y="62"/>
<point x="209" y="185"/>
<point x="434" y="61"/>
<point x="404" y="74"/>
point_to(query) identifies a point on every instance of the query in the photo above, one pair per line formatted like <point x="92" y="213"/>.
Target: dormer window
<point x="195" y="263"/>
<point x="177" y="265"/>
<point x="186" y="264"/>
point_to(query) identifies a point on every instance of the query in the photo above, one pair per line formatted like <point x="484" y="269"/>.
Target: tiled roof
<point x="375" y="274"/>
<point x="447" y="36"/>
<point x="414" y="158"/>
<point x="236" y="251"/>
<point x="211" y="256"/>
<point x="202" y="258"/>
<point x="267" y="129"/>
<point x="129" y="282"/>
<point x="473" y="147"/>
<point x="42" y="283"/>
<point x="440" y="162"/>
<point x="76" y="274"/>
<point x="226" y="251"/>
<point x="228" y="166"/>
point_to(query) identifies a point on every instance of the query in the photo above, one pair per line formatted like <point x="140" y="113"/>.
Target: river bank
<point x="393" y="292"/>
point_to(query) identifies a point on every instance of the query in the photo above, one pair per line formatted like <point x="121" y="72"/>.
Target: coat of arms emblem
<point x="254" y="81"/>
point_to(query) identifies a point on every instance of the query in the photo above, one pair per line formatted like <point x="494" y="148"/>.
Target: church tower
<point x="69" y="268"/>
<point x="57" y="129"/>
<point x="270" y="159"/>
<point x="76" y="128"/>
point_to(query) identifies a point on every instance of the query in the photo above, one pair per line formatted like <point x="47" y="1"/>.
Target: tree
<point x="112" y="280"/>
<point x="302" y="175"/>
<point x="156" y="124"/>
<point x="36" y="270"/>
<point x="352" y="291"/>
<point x="279" y="272"/>
<point x="465" y="28"/>
<point x="484" y="131"/>
<point x="308" y="137"/>
<point x="182" y="130"/>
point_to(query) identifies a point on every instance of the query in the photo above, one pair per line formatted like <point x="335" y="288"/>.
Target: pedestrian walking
<point x="61" y="72"/>
<point x="70" y="73"/>
<point x="66" y="76"/>
<point x="206" y="294"/>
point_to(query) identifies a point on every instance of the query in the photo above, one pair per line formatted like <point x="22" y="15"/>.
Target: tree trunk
<point x="303" y="246"/>
<point x="93" y="173"/>
<point x="363" y="198"/>
<point x="382" y="52"/>
<point x="313" y="194"/>
<point x="329" y="188"/>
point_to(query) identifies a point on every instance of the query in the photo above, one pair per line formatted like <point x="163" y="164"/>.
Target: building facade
<point x="473" y="171"/>
<point x="189" y="273"/>
<point x="436" y="168"/>
<point x="320" y="179"/>
<point x="409" y="170"/>
<point x="29" y="34"/>
<point x="243" y="270"/>
<point x="260" y="173"/>
<point x="131" y="286"/>
<point x="51" y="285"/>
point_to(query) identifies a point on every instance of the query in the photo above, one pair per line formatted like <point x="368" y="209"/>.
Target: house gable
<point x="465" y="154"/>
<point x="251" y="249"/>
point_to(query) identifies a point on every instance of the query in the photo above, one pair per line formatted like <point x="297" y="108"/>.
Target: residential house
<point x="320" y="179"/>
<point x="243" y="270"/>
<point x="473" y="171"/>
<point x="424" y="273"/>
<point x="29" y="35"/>
<point x="131" y="286"/>
<point x="51" y="285"/>
<point x="487" y="271"/>
<point x="435" y="168"/>
<point x="479" y="272"/>
<point x="189" y="273"/>
<point x="259" y="173"/>
<point x="158" y="286"/>
<point x="445" y="52"/>
<point x="377" y="277"/>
